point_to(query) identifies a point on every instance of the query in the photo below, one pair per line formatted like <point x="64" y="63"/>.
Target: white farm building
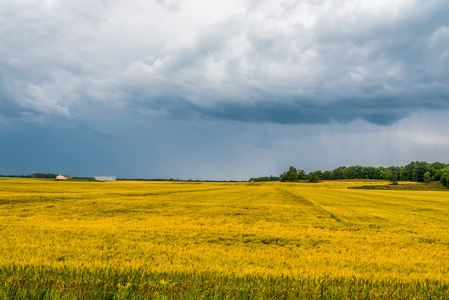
<point x="105" y="178"/>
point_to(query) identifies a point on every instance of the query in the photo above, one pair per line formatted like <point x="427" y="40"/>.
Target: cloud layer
<point x="286" y="62"/>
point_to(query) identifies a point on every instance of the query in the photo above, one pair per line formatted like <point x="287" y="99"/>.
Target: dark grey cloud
<point x="308" y="62"/>
<point x="375" y="67"/>
<point x="308" y="112"/>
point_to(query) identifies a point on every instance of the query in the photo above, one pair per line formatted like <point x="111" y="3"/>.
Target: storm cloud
<point x="113" y="69"/>
<point x="306" y="61"/>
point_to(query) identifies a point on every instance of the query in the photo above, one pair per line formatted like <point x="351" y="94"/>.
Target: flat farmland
<point x="174" y="240"/>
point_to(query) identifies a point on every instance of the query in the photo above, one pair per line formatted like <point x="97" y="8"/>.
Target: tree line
<point x="34" y="175"/>
<point x="419" y="171"/>
<point x="265" y="178"/>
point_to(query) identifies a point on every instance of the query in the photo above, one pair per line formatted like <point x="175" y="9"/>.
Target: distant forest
<point x="43" y="175"/>
<point x="419" y="171"/>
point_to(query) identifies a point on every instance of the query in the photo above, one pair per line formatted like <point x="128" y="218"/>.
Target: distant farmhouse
<point x="105" y="178"/>
<point x="63" y="177"/>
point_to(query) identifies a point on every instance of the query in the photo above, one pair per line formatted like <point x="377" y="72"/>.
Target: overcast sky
<point x="197" y="89"/>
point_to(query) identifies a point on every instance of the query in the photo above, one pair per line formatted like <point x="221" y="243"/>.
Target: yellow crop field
<point x="140" y="240"/>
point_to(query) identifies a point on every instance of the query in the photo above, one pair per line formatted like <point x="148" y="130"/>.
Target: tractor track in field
<point x="299" y="198"/>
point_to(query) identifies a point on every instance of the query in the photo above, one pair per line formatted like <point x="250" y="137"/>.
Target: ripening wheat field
<point x="174" y="240"/>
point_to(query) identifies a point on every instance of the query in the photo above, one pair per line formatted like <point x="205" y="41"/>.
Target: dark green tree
<point x="407" y="172"/>
<point x="327" y="175"/>
<point x="371" y="173"/>
<point x="340" y="173"/>
<point x="438" y="174"/>
<point x="427" y="177"/>
<point x="392" y="176"/>
<point x="444" y="178"/>
<point x="419" y="170"/>
<point x="314" y="177"/>
<point x="283" y="177"/>
<point x="290" y="175"/>
<point x="435" y="169"/>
